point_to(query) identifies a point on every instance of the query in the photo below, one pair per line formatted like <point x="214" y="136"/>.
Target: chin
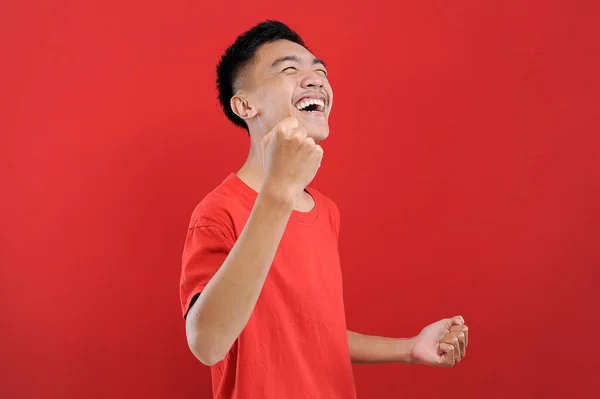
<point x="316" y="124"/>
<point x="319" y="135"/>
<point x="318" y="130"/>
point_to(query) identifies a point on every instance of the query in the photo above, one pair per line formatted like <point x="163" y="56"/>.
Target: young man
<point x="261" y="286"/>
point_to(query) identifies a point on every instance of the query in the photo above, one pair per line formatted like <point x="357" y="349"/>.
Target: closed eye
<point x="323" y="71"/>
<point x="285" y="69"/>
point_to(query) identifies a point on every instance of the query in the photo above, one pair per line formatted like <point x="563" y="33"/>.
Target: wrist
<point x="410" y="357"/>
<point x="276" y="197"/>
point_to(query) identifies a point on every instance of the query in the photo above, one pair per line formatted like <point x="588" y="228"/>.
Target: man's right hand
<point x="290" y="158"/>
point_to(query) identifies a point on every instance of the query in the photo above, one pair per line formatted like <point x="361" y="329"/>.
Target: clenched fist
<point x="290" y="158"/>
<point x="443" y="343"/>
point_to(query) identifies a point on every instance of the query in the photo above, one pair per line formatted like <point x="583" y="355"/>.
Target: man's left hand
<point x="443" y="343"/>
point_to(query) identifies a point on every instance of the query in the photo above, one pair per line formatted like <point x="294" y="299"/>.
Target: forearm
<point x="374" y="349"/>
<point x="226" y="303"/>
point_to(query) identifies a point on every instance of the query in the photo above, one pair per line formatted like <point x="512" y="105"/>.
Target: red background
<point x="464" y="157"/>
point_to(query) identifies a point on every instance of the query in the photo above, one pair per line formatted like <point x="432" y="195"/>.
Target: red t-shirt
<point x="295" y="343"/>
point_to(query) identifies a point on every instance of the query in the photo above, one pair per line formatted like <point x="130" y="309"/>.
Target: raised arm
<point x="224" y="306"/>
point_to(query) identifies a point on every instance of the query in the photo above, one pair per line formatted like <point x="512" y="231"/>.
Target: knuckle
<point x="297" y="138"/>
<point x="310" y="141"/>
<point x="282" y="131"/>
<point x="289" y="123"/>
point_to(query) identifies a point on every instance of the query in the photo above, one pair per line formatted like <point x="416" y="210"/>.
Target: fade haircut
<point x="240" y="53"/>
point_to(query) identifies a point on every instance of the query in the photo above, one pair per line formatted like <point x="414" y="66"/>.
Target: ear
<point x="242" y="107"/>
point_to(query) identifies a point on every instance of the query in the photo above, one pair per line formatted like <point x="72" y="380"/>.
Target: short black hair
<point x="241" y="52"/>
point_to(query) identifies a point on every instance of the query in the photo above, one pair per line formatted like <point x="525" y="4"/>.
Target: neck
<point x="253" y="172"/>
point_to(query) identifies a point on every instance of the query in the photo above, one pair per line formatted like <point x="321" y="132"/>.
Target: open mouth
<point x="311" y="105"/>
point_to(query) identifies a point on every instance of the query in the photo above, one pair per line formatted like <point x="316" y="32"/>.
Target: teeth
<point x="311" y="101"/>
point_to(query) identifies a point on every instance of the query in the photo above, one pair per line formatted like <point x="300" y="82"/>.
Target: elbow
<point x="206" y="349"/>
<point x="206" y="356"/>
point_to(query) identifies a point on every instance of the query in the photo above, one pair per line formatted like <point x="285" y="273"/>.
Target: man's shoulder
<point x="324" y="199"/>
<point x="218" y="206"/>
<point x="329" y="209"/>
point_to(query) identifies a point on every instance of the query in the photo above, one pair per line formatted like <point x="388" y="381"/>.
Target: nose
<point x="312" y="81"/>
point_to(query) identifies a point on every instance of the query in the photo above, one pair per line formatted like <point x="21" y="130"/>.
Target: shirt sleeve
<point x="206" y="248"/>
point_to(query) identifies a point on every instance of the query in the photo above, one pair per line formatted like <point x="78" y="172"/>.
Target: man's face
<point x="286" y="80"/>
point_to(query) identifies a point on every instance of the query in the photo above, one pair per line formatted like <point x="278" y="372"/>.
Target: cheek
<point x="276" y="98"/>
<point x="282" y="98"/>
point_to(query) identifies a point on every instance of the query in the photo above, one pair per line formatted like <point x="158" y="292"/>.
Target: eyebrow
<point x="296" y="59"/>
